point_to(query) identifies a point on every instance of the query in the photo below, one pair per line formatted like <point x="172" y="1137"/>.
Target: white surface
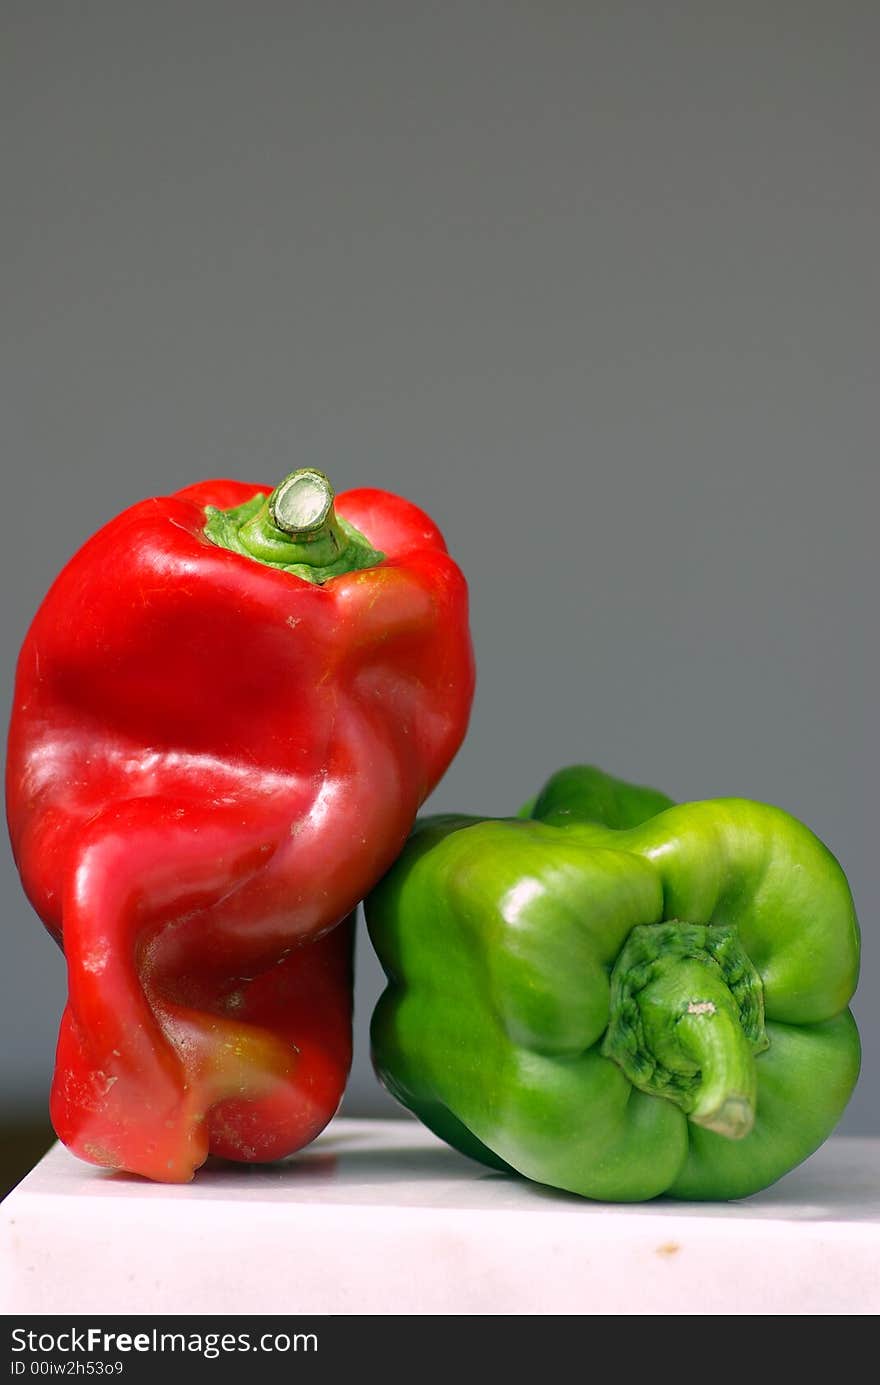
<point x="380" y="1217"/>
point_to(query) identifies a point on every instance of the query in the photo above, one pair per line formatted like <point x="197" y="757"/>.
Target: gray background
<point x="595" y="284"/>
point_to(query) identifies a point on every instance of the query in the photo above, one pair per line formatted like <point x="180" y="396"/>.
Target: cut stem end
<point x="302" y="504"/>
<point x="734" y="1119"/>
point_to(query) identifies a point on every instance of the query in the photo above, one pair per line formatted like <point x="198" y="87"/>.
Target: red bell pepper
<point x="227" y="712"/>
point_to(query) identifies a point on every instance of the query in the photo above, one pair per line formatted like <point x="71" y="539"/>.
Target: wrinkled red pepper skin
<point x="211" y="761"/>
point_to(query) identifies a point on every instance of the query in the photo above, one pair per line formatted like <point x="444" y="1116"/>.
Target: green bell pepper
<point x="619" y="996"/>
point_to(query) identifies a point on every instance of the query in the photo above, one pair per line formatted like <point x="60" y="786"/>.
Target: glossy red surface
<point x="210" y="762"/>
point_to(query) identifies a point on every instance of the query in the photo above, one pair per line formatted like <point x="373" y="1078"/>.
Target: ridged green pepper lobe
<point x="617" y="995"/>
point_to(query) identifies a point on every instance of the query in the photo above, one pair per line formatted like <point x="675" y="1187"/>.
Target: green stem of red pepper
<point x="295" y="528"/>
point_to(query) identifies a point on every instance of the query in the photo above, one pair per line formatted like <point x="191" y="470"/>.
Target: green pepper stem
<point x="691" y="1024"/>
<point x="687" y="1021"/>
<point x="728" y="1082"/>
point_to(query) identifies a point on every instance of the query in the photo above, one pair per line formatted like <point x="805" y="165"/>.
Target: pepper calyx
<point x="687" y="1021"/>
<point x="295" y="528"/>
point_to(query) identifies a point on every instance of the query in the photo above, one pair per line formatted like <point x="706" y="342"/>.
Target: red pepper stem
<point x="302" y="506"/>
<point x="297" y="525"/>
